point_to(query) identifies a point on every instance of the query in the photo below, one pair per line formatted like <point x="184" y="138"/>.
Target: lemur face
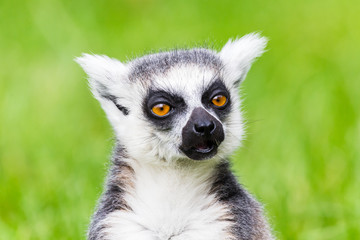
<point x="175" y="105"/>
<point x="190" y="105"/>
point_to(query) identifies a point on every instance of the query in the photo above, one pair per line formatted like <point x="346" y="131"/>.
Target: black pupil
<point x="218" y="99"/>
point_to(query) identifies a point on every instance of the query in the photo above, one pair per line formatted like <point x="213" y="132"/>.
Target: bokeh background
<point x="302" y="101"/>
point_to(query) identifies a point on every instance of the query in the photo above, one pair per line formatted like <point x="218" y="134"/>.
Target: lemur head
<point x="175" y="105"/>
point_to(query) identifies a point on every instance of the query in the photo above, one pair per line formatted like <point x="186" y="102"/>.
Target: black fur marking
<point x="217" y="88"/>
<point x="246" y="211"/>
<point x="112" y="98"/>
<point x="154" y="64"/>
<point x="112" y="198"/>
<point x="176" y="103"/>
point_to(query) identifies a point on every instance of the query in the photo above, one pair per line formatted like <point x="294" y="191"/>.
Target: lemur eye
<point x="219" y="100"/>
<point x="161" y="109"/>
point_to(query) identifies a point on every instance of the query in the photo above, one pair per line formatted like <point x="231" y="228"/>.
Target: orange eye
<point x="219" y="100"/>
<point x="161" y="109"/>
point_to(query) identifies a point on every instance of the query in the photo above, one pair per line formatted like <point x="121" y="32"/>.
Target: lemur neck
<point x="153" y="183"/>
<point x="169" y="200"/>
<point x="181" y="168"/>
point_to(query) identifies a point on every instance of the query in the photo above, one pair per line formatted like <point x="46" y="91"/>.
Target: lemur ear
<point x="107" y="80"/>
<point x="238" y="55"/>
<point x="104" y="72"/>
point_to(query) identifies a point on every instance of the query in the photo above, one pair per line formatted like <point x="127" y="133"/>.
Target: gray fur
<point x="159" y="63"/>
<point x="112" y="199"/>
<point x="247" y="213"/>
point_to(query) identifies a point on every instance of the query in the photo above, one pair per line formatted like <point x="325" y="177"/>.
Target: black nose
<point x="202" y="135"/>
<point x="204" y="127"/>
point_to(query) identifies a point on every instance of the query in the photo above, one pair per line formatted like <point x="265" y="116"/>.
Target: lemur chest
<point x="175" y="205"/>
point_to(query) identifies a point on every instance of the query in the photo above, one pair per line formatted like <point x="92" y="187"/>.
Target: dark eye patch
<point x="215" y="89"/>
<point x="176" y="103"/>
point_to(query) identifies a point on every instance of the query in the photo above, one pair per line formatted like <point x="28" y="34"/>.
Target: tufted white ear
<point x="104" y="73"/>
<point x="109" y="83"/>
<point x="238" y="55"/>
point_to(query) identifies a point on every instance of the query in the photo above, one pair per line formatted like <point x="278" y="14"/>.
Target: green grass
<point x="302" y="100"/>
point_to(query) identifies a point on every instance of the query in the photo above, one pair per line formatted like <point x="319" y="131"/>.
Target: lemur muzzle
<point x="201" y="135"/>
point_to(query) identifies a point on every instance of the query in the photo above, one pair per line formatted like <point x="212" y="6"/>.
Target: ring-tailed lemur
<point x="176" y="116"/>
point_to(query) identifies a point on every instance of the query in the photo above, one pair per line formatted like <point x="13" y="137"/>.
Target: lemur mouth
<point x="205" y="147"/>
<point x="200" y="150"/>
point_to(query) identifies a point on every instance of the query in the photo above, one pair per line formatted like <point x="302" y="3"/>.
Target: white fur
<point x="112" y="74"/>
<point x="102" y="70"/>
<point x="238" y="55"/>
<point x="179" y="208"/>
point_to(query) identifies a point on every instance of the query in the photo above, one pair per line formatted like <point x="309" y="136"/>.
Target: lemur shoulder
<point x="176" y="117"/>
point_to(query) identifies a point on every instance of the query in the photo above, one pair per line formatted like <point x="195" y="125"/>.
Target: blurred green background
<point x="302" y="101"/>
